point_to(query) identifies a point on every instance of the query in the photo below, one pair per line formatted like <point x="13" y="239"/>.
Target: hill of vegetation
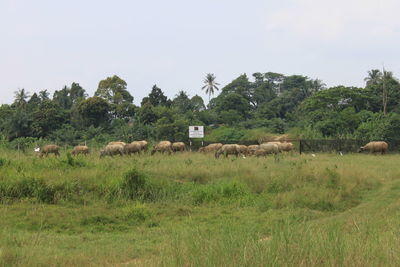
<point x="246" y="108"/>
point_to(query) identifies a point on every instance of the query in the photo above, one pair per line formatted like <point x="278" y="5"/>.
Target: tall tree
<point x="384" y="89"/>
<point x="374" y="77"/>
<point x="197" y="103"/>
<point x="34" y="102"/>
<point x="94" y="111"/>
<point x="113" y="89"/>
<point x="44" y="95"/>
<point x="62" y="98"/>
<point x="182" y="102"/>
<point x="210" y="85"/>
<point x="275" y="80"/>
<point x="156" y="97"/>
<point x="20" y="97"/>
<point x="77" y="93"/>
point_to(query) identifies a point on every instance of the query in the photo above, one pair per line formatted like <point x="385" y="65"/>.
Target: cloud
<point x="327" y="21"/>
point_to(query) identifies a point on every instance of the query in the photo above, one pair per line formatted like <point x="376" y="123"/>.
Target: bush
<point x="133" y="184"/>
<point x="27" y="188"/>
<point x="224" y="134"/>
<point x="380" y="127"/>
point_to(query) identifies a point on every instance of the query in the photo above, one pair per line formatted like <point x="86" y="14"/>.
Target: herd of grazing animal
<point x="252" y="150"/>
<point x="138" y="147"/>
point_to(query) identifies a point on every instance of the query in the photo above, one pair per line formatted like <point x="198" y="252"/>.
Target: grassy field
<point x="194" y="210"/>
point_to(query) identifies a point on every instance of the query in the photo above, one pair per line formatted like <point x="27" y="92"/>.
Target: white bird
<point x="313" y="155"/>
<point x="37" y="149"/>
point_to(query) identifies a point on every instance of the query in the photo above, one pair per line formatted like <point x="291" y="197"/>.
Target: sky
<point x="46" y="44"/>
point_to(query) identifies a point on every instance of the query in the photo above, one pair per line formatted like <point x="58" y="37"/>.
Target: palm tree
<point x="20" y="97"/>
<point x="210" y="85"/>
<point x="374" y="77"/>
<point x="44" y="95"/>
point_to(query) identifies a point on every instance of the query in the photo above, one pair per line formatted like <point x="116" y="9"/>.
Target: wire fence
<point x="312" y="145"/>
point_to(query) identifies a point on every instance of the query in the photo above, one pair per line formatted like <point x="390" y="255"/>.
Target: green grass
<point x="194" y="210"/>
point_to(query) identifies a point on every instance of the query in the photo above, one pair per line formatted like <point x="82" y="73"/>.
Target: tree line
<point x="245" y="108"/>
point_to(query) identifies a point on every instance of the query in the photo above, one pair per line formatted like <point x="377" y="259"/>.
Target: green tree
<point x="374" y="77"/>
<point x="77" y="93"/>
<point x="156" y="97"/>
<point x="197" y="103"/>
<point x="233" y="101"/>
<point x="123" y="111"/>
<point x="241" y="86"/>
<point x="319" y="106"/>
<point x="6" y="112"/>
<point x="94" y="111"/>
<point x="20" y="98"/>
<point x="182" y="102"/>
<point x="231" y="117"/>
<point x="113" y="89"/>
<point x="173" y="127"/>
<point x="62" y="98"/>
<point x="210" y="85"/>
<point x="384" y="91"/>
<point x="47" y="117"/>
<point x="44" y="95"/>
<point x="263" y="93"/>
<point x="275" y="80"/>
<point x="380" y="127"/>
<point x="146" y="114"/>
<point x="34" y="102"/>
<point x="19" y="124"/>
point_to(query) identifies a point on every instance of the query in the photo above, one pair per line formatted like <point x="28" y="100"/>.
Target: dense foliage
<point x="268" y="102"/>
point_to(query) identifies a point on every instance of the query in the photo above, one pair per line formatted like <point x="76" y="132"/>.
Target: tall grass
<point x="195" y="210"/>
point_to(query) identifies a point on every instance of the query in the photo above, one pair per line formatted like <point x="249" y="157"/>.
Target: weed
<point x="134" y="184"/>
<point x="28" y="188"/>
<point x="97" y="220"/>
<point x="333" y="178"/>
<point x="4" y="162"/>
<point x="138" y="212"/>
<point x="70" y="161"/>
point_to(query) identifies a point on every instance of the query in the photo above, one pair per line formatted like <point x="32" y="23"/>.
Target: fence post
<point x="300" y="146"/>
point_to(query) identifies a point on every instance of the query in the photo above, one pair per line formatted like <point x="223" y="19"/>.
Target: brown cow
<point x="178" y="147"/>
<point x="377" y="146"/>
<point x="163" y="146"/>
<point x="49" y="149"/>
<point x="80" y="150"/>
<point x="229" y="149"/>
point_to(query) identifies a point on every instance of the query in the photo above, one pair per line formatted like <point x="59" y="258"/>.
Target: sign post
<point x="195" y="132"/>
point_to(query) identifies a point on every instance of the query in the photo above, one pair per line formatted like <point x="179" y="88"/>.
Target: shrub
<point x="28" y="188"/>
<point x="224" y="134"/>
<point x="133" y="184"/>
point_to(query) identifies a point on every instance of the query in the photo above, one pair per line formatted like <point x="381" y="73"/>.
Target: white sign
<point x="196" y="131"/>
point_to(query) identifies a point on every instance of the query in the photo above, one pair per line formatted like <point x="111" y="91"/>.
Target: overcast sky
<point x="46" y="44"/>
